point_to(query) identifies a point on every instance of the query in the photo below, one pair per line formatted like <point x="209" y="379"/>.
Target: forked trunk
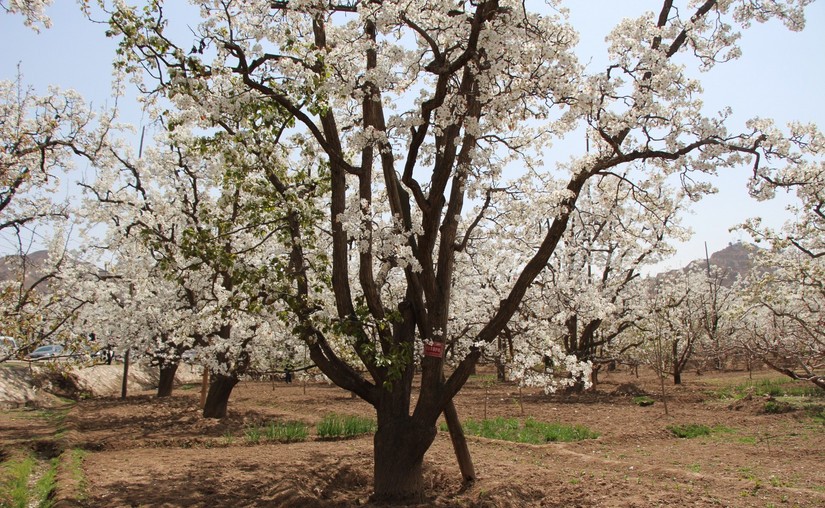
<point x="399" y="447"/>
<point x="167" y="379"/>
<point x="218" y="397"/>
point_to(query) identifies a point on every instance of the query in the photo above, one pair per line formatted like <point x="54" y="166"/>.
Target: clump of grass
<point x="14" y="482"/>
<point x="773" y="387"/>
<point x="528" y="431"/>
<point x="817" y="413"/>
<point x="689" y="430"/>
<point x="252" y="434"/>
<point x="692" y="430"/>
<point x="335" y="426"/>
<point x="284" y="432"/>
<point x="775" y="407"/>
<point x="16" y="488"/>
<point x="643" y="401"/>
<point x="46" y="484"/>
<point x="287" y="432"/>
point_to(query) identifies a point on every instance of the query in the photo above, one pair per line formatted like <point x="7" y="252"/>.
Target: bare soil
<point x="149" y="452"/>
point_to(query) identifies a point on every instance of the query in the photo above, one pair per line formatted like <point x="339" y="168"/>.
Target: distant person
<point x="288" y="376"/>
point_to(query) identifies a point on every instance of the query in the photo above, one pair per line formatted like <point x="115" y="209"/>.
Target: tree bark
<point x="399" y="447"/>
<point x="167" y="379"/>
<point x="218" y="397"/>
<point x="125" y="382"/>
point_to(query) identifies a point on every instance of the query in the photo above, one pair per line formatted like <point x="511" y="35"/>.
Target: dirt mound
<point x="18" y="387"/>
<point x="629" y="390"/>
<point x="507" y="496"/>
<point x="38" y="384"/>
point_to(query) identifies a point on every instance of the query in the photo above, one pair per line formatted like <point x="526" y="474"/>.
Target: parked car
<point x="43" y="352"/>
<point x="191" y="355"/>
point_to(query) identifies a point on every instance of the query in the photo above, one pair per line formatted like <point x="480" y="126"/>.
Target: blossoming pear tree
<point x="424" y="105"/>
<point x="39" y="136"/>
<point x="589" y="292"/>
<point x="191" y="238"/>
<point x="787" y="308"/>
<point x="782" y="317"/>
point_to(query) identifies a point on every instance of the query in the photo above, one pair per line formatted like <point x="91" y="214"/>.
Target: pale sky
<point x="780" y="75"/>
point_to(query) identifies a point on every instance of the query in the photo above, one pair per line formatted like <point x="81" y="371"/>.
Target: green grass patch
<point x="643" y="401"/>
<point x="45" y="485"/>
<point x="74" y="468"/>
<point x="252" y="434"/>
<point x="774" y="387"/>
<point x="689" y="430"/>
<point x="17" y="490"/>
<point x="283" y="432"/>
<point x="287" y="432"/>
<point x="816" y="412"/>
<point x="692" y="430"/>
<point x="14" y="482"/>
<point x="776" y="407"/>
<point x="334" y="426"/>
<point x="528" y="431"/>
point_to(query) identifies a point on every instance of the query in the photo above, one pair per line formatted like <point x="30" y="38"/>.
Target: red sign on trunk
<point x="434" y="349"/>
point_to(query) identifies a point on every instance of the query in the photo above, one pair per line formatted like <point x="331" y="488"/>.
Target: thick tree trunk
<point x="219" y="391"/>
<point x="124" y="384"/>
<point x="677" y="377"/>
<point x="399" y="447"/>
<point x="167" y="379"/>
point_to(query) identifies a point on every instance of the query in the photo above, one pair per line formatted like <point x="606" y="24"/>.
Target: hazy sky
<point x="780" y="75"/>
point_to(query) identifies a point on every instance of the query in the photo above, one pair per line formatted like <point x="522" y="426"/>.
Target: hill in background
<point x="35" y="265"/>
<point x="736" y="260"/>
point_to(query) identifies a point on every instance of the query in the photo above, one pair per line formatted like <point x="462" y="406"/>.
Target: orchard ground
<point x="148" y="452"/>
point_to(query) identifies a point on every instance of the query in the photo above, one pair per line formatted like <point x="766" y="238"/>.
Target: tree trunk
<point x="501" y="373"/>
<point x="399" y="447"/>
<point x="125" y="382"/>
<point x="167" y="379"/>
<point x="677" y="376"/>
<point x="204" y="386"/>
<point x="219" y="391"/>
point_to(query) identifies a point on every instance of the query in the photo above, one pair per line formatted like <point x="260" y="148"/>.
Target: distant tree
<point x="786" y="296"/>
<point x="39" y="136"/>
<point x="686" y="312"/>
<point x="588" y="294"/>
<point x="186" y="226"/>
<point x="784" y="313"/>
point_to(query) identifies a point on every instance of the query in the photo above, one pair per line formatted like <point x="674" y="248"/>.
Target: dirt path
<point x="147" y="452"/>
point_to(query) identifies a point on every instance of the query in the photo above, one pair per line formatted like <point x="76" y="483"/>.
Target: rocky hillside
<point x="735" y="260"/>
<point x="33" y="265"/>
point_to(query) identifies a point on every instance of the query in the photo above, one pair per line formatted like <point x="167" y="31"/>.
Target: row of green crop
<point x="332" y="426"/>
<point x="22" y="485"/>
<point x="774" y="387"/>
